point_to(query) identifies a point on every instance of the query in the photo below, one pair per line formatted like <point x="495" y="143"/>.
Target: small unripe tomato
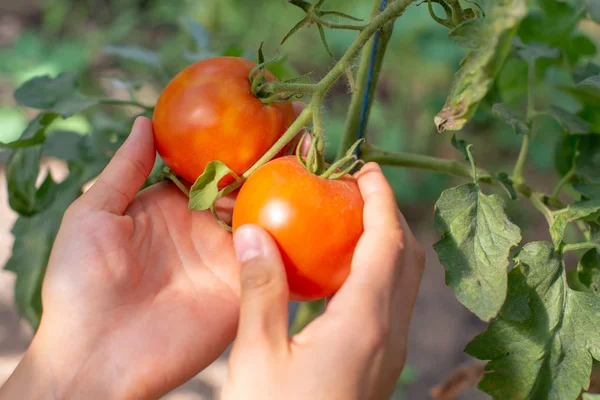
<point x="316" y="223"/>
<point x="208" y="112"/>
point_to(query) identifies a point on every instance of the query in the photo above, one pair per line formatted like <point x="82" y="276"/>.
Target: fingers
<point x="379" y="252"/>
<point x="264" y="290"/>
<point x="385" y="268"/>
<point x="126" y="172"/>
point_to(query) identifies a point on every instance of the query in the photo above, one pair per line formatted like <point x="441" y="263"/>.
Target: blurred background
<point x="124" y="46"/>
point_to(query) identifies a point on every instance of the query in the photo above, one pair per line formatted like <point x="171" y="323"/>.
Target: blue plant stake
<point x="367" y="97"/>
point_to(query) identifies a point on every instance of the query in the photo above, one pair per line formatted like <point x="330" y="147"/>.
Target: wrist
<point x="53" y="368"/>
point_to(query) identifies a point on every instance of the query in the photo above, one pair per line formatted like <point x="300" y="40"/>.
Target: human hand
<point x="140" y="293"/>
<point x="357" y="348"/>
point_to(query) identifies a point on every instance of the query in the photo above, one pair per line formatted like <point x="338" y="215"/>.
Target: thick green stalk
<point x="581" y="246"/>
<point x="392" y="12"/>
<point x="517" y="175"/>
<point x="356" y="103"/>
<point x="451" y="167"/>
<point x="284" y="87"/>
<point x="411" y="160"/>
<point x="124" y="103"/>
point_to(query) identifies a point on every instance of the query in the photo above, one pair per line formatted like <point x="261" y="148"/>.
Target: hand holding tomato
<point x="357" y="348"/>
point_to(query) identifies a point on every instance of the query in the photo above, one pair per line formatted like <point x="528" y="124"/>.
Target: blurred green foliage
<point x="129" y="49"/>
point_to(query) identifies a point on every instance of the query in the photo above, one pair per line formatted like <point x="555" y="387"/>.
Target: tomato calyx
<point x="315" y="161"/>
<point x="271" y="92"/>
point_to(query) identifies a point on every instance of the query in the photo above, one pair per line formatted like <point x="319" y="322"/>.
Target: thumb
<point x="264" y="290"/>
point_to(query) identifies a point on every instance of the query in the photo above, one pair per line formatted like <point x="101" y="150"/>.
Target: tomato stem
<point x="125" y="103"/>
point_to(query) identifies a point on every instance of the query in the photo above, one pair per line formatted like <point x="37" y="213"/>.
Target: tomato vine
<point x="536" y="310"/>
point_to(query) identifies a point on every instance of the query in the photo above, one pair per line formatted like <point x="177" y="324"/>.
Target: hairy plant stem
<point x="457" y="11"/>
<point x="411" y="160"/>
<point x="125" y="103"/>
<point x="517" y="175"/>
<point x="581" y="246"/>
<point x="392" y="12"/>
<point x="284" y="87"/>
<point x="355" y="111"/>
<point x="451" y="167"/>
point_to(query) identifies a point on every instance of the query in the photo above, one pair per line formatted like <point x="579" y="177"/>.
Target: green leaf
<point x="581" y="210"/>
<point x="589" y="270"/>
<point x="22" y="170"/>
<point x="34" y="237"/>
<point x="301" y="24"/>
<point x="512" y="118"/>
<point x="507" y="184"/>
<point x="542" y="345"/>
<point x="570" y="122"/>
<point x="553" y="27"/>
<point x="60" y="95"/>
<point x="135" y="53"/>
<point x="532" y="51"/>
<point x="469" y="33"/>
<point x="586" y="91"/>
<point x="590" y="396"/>
<point x="480" y="67"/>
<point x="582" y="72"/>
<point x="461" y="146"/>
<point x="477" y="237"/>
<point x="63" y="145"/>
<point x="34" y="134"/>
<point x="583" y="151"/>
<point x="205" y="191"/>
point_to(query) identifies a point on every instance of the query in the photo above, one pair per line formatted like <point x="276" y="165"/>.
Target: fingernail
<point x="247" y="243"/>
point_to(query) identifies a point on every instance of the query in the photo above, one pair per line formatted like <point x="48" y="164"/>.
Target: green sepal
<point x="205" y="191"/>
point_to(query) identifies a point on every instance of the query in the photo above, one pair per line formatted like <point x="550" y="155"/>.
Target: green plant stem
<point x="537" y="202"/>
<point x="411" y="160"/>
<point x="457" y="11"/>
<point x="354" y="112"/>
<point x="283" y="87"/>
<point x="581" y="246"/>
<point x="124" y="103"/>
<point x="517" y="175"/>
<point x="451" y="167"/>
<point x="392" y="12"/>
<point x="564" y="180"/>
<point x="286" y="138"/>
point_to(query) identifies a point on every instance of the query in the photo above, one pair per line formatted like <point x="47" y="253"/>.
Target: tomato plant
<point x="208" y="112"/>
<point x="315" y="221"/>
<point x="530" y="66"/>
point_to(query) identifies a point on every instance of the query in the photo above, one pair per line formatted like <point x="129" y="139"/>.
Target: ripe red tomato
<point x="316" y="223"/>
<point x="208" y="112"/>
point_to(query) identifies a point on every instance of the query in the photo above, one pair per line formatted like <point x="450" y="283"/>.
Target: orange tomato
<point x="208" y="112"/>
<point x="316" y="223"/>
